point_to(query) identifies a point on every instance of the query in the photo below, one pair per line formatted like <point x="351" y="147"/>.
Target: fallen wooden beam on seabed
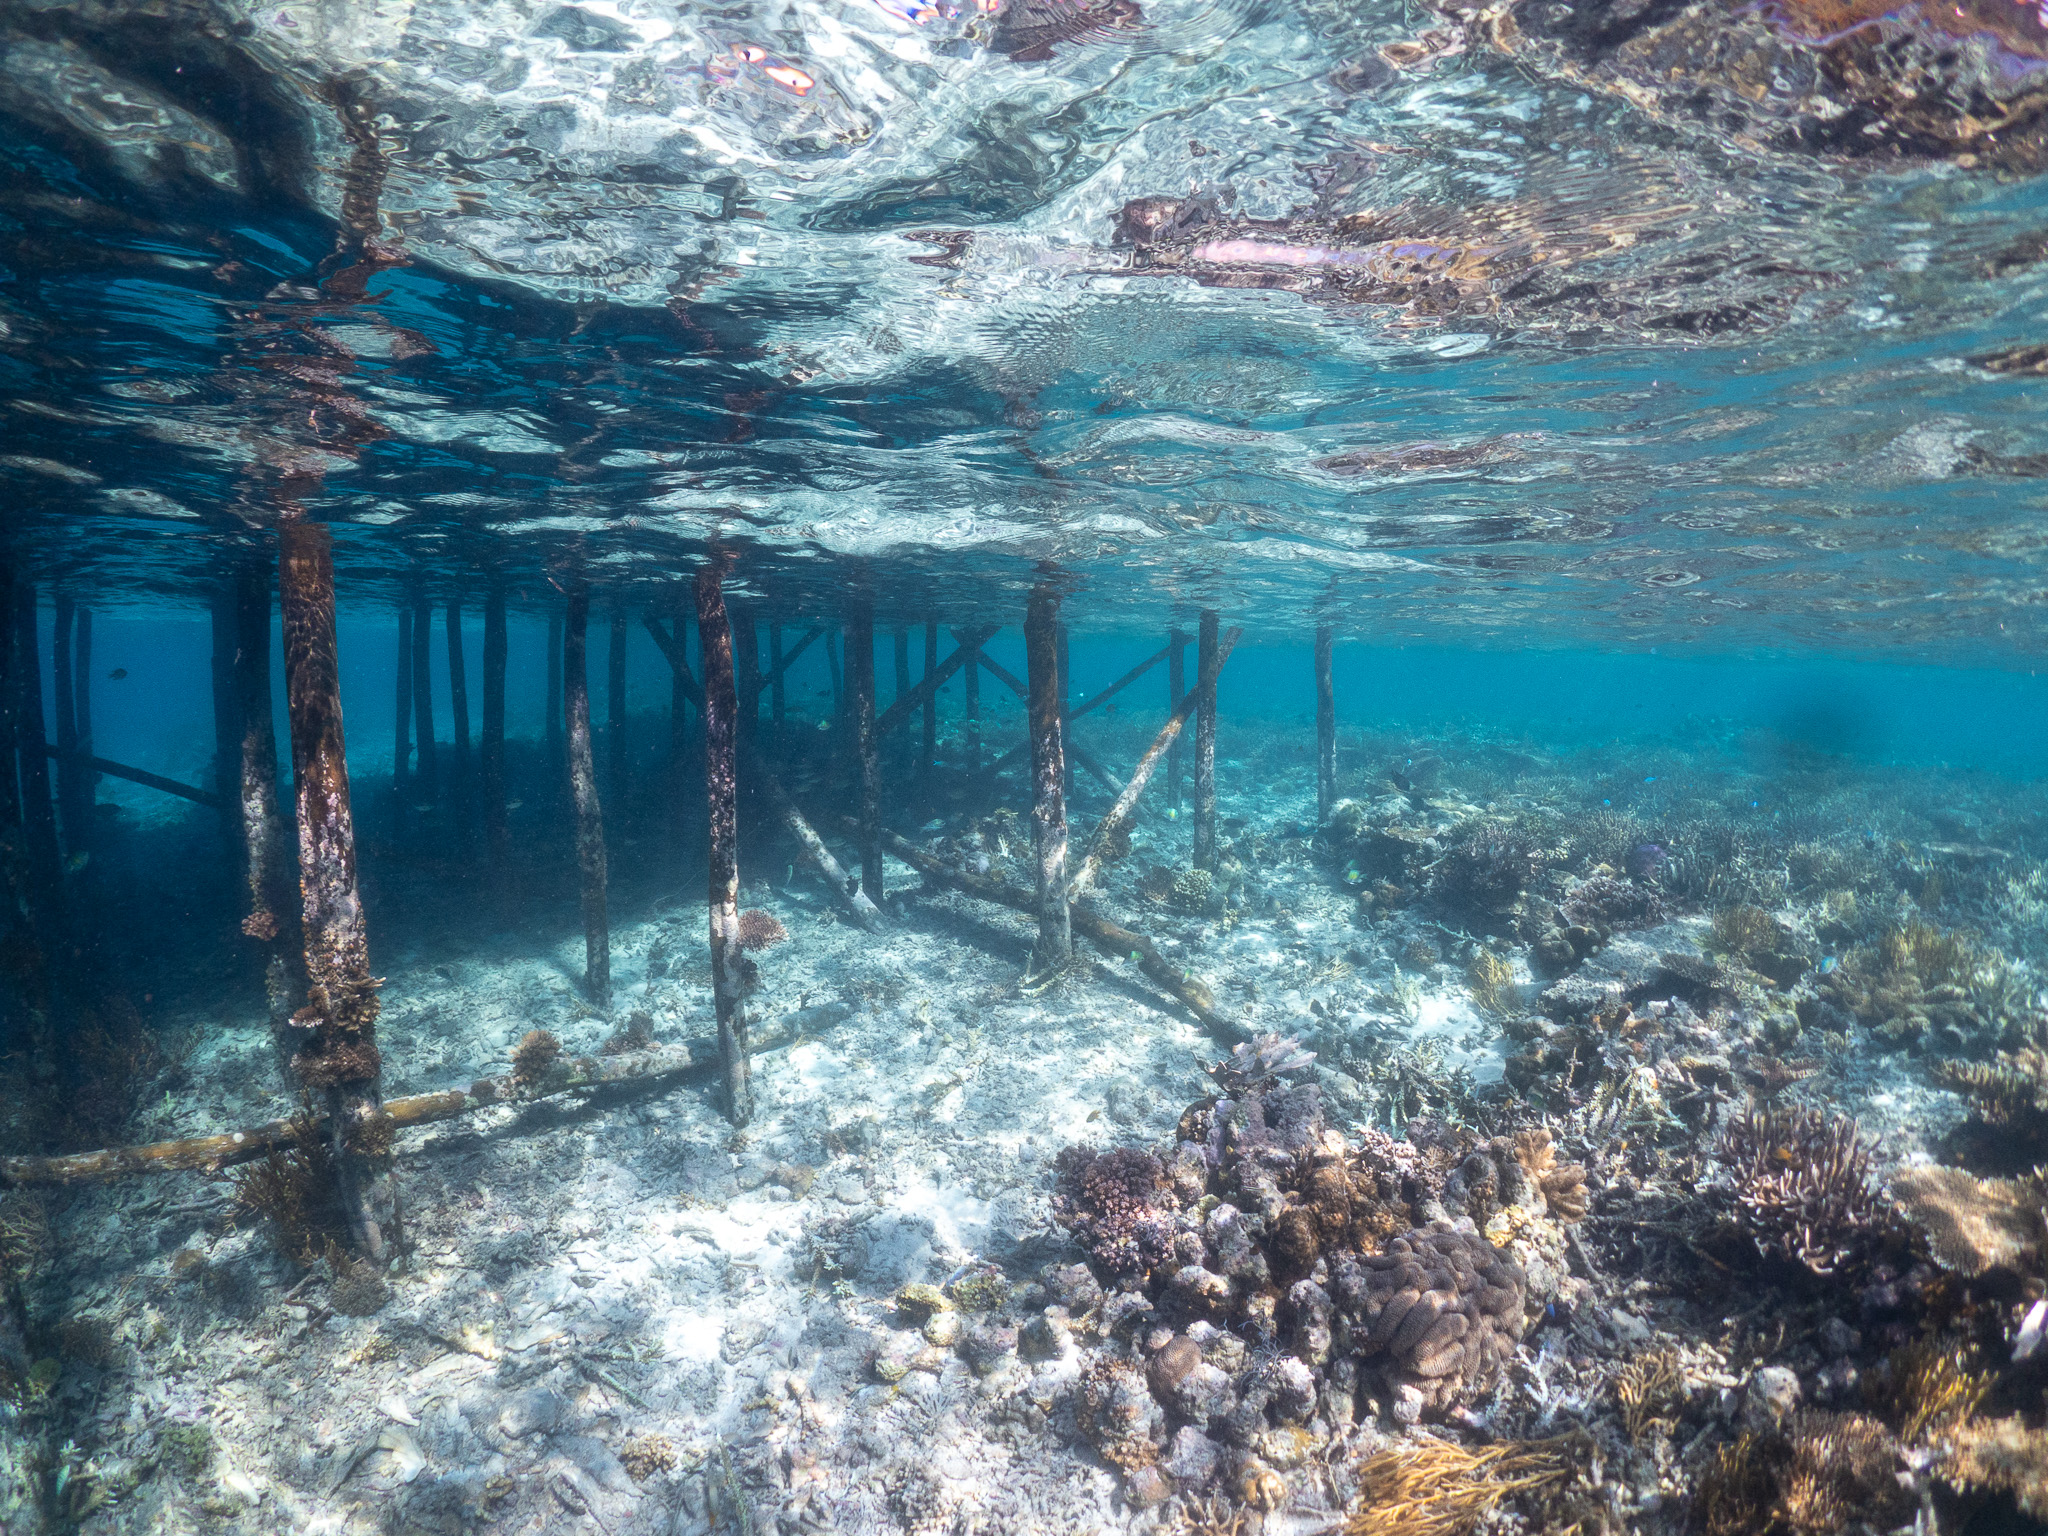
<point x="210" y="1154"/>
<point x="140" y="776"/>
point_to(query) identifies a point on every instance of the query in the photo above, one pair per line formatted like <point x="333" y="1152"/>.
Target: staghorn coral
<point x="1119" y="1206"/>
<point x="2009" y="1095"/>
<point x="1431" y="1488"/>
<point x="1439" y="1312"/>
<point x="1802" y="1189"/>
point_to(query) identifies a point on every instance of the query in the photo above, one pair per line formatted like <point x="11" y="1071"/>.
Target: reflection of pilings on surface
<point x="339" y="1059"/>
<point x="1326" y="725"/>
<point x="597" y="942"/>
<point x="860" y="688"/>
<point x="426" y="774"/>
<point x="928" y="747"/>
<point x="458" y="700"/>
<point x="1176" y="689"/>
<point x="1055" y="944"/>
<point x="263" y="847"/>
<point x="401" y="733"/>
<point x="617" y="757"/>
<point x="497" y="831"/>
<point x="721" y="795"/>
<point x="1205" y="745"/>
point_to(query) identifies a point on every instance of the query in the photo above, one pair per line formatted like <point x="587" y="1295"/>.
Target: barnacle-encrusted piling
<point x="491" y="754"/>
<point x="721" y="795"/>
<point x="1326" y="725"/>
<point x="338" y="1059"/>
<point x="262" y="827"/>
<point x="1204" y="856"/>
<point x="597" y="942"/>
<point x="1176" y="690"/>
<point x="1055" y="944"/>
<point x="860" y="685"/>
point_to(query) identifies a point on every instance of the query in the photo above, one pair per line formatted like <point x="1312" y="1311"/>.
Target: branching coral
<point x="1120" y="1207"/>
<point x="2009" y="1095"/>
<point x="1824" y="1473"/>
<point x="537" y="1051"/>
<point x="1647" y="1388"/>
<point x="1802" y="1188"/>
<point x="293" y="1191"/>
<point x="1432" y="1488"/>
<point x="1492" y="981"/>
<point x="1926" y="1388"/>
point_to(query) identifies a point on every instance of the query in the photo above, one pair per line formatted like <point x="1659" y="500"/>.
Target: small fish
<point x="77" y="861"/>
<point x="117" y="674"/>
<point x="513" y="805"/>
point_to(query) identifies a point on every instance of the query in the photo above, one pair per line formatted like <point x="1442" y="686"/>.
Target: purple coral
<point x="1120" y="1207"/>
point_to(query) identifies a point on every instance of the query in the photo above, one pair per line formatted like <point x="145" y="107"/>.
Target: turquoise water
<point x="1597" y="1086"/>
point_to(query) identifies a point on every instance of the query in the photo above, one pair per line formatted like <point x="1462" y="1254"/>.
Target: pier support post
<point x="401" y="731"/>
<point x="458" y="701"/>
<point x="746" y="665"/>
<point x="338" y="1059"/>
<point x="426" y="776"/>
<point x="776" y="702"/>
<point x="721" y="794"/>
<point x="616" y="758"/>
<point x="928" y="747"/>
<point x="970" y="730"/>
<point x="82" y="669"/>
<point x="1055" y="944"/>
<point x="860" y="687"/>
<point x="597" y="941"/>
<point x="1326" y="725"/>
<point x="262" y="826"/>
<point x="39" y="821"/>
<point x="74" y="774"/>
<point x="497" y="833"/>
<point x="1205" y="744"/>
<point x="1176" y="690"/>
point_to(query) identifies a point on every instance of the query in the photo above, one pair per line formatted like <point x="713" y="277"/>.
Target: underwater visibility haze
<point x="1023" y="766"/>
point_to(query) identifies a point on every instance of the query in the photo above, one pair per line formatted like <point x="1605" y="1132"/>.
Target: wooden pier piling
<point x="590" y="859"/>
<point x="1204" y="856"/>
<point x="722" y="717"/>
<point x="1055" y="946"/>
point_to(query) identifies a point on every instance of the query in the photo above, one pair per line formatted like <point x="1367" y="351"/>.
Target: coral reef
<point x="1802" y="1188"/>
<point x="292" y="1190"/>
<point x="636" y="1034"/>
<point x="1603" y="905"/>
<point x="2004" y="1456"/>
